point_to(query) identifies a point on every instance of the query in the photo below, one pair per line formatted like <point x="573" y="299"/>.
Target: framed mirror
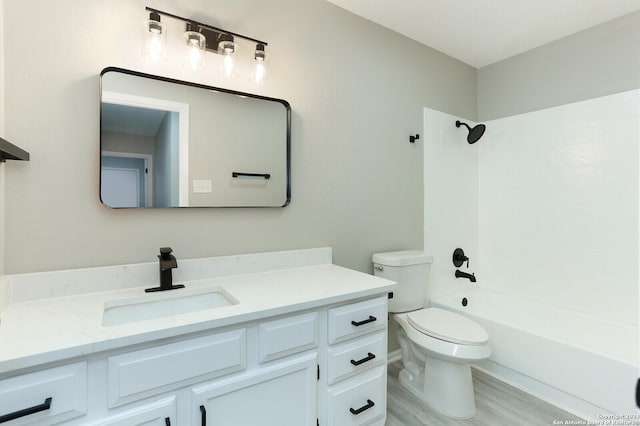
<point x="171" y="143"/>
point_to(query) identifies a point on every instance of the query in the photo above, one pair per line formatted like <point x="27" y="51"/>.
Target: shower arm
<point x="460" y="123"/>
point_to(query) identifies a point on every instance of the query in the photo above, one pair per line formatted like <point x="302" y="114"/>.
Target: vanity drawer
<point x="356" y="319"/>
<point x="56" y="394"/>
<point x="358" y="401"/>
<point x="139" y="374"/>
<point x="353" y="357"/>
<point x="287" y="336"/>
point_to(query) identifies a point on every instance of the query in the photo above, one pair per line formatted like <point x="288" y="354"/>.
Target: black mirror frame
<point x="286" y="105"/>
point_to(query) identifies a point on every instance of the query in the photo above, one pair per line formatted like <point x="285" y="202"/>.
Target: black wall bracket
<point x="412" y="138"/>
<point x="9" y="151"/>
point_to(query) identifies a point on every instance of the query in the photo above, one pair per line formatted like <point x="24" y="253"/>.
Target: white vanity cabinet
<point x="319" y="366"/>
<point x="262" y="373"/>
<point x="161" y="412"/>
<point x="44" y="397"/>
<point x="280" y="395"/>
<point x="356" y="379"/>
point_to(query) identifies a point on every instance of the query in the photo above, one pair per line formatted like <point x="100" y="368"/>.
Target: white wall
<point x="2" y="166"/>
<point x="357" y="92"/>
<point x="558" y="206"/>
<point x="450" y="201"/>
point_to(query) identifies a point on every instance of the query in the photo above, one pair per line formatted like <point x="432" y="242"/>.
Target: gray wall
<point x="595" y="62"/>
<point x="356" y="90"/>
<point x="125" y="142"/>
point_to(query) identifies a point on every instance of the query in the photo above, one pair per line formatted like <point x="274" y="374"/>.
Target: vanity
<point x="281" y="338"/>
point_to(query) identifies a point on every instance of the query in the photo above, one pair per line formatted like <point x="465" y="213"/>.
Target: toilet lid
<point x="448" y="326"/>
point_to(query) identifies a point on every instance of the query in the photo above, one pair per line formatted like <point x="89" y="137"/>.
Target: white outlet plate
<point x="202" y="186"/>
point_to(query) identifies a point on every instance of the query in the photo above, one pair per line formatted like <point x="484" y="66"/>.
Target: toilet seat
<point x="447" y="326"/>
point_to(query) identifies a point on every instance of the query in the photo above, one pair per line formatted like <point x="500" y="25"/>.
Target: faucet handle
<point x="459" y="258"/>
<point x="165" y="251"/>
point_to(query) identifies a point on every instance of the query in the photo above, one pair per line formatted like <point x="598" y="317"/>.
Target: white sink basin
<point x="164" y="304"/>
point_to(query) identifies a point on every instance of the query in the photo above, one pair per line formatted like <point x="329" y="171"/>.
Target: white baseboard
<point x="549" y="394"/>
<point x="553" y="396"/>
<point x="394" y="356"/>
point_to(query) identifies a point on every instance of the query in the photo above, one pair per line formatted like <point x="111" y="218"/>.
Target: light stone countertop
<point x="53" y="329"/>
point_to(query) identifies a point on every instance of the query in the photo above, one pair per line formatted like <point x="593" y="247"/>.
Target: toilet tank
<point x="409" y="268"/>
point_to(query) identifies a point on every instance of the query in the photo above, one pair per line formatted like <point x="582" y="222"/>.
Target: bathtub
<point x="577" y="362"/>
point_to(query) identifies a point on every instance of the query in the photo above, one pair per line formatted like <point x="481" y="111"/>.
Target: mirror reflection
<point x="168" y="143"/>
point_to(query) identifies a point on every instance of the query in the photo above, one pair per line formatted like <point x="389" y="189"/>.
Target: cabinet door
<point x="44" y="397"/>
<point x="282" y="394"/>
<point x="361" y="400"/>
<point x="158" y="413"/>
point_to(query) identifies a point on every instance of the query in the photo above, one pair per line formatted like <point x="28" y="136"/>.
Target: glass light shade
<point x="154" y="39"/>
<point x="195" y="44"/>
<point x="226" y="46"/>
<point x="259" y="55"/>
<point x="259" y="69"/>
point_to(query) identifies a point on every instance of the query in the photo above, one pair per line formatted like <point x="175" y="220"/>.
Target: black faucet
<point x="460" y="274"/>
<point x="167" y="263"/>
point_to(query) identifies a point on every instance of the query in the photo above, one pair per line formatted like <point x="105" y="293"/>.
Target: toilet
<point x="437" y="345"/>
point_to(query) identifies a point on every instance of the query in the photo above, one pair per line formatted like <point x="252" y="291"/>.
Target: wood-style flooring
<point x="498" y="404"/>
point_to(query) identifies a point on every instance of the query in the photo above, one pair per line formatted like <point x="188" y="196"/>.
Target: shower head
<point x="475" y="133"/>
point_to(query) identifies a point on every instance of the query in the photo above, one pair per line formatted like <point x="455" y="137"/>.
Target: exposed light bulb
<point x="259" y="72"/>
<point x="194" y="57"/>
<point x="154" y="48"/>
<point x="229" y="66"/>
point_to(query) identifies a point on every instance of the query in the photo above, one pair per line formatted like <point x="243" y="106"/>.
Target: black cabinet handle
<point x="363" y="408"/>
<point x="31" y="410"/>
<point x="203" y="412"/>
<point x="167" y="421"/>
<point x="369" y="357"/>
<point x="363" y="322"/>
<point x="263" y="175"/>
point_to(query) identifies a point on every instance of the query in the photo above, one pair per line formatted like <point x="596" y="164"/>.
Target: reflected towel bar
<point x="264" y="175"/>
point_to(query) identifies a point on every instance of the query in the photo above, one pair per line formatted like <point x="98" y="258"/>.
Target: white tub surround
<point x="559" y="190"/>
<point x="580" y="363"/>
<point x="299" y="339"/>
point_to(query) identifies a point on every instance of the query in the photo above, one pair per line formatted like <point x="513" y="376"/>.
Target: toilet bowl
<point x="436" y="351"/>
<point x="437" y="345"/>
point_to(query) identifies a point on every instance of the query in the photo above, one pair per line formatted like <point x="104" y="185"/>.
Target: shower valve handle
<point x="459" y="258"/>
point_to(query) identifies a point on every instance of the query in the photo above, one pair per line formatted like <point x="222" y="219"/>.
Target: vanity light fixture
<point x="227" y="47"/>
<point x="259" y="67"/>
<point x="195" y="45"/>
<point x="201" y="38"/>
<point x="154" y="38"/>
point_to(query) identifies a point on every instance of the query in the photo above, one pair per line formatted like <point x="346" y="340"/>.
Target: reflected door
<point x="120" y="187"/>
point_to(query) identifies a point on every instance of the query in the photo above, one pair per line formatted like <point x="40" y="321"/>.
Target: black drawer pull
<point x="31" y="410"/>
<point x="369" y="357"/>
<point x="363" y="322"/>
<point x="363" y="408"/>
<point x="262" y="175"/>
<point x="167" y="421"/>
<point x="203" y="412"/>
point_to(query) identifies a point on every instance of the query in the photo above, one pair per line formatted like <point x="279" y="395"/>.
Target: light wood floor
<point x="498" y="404"/>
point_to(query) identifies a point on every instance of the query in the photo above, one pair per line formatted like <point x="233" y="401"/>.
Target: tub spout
<point x="460" y="274"/>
